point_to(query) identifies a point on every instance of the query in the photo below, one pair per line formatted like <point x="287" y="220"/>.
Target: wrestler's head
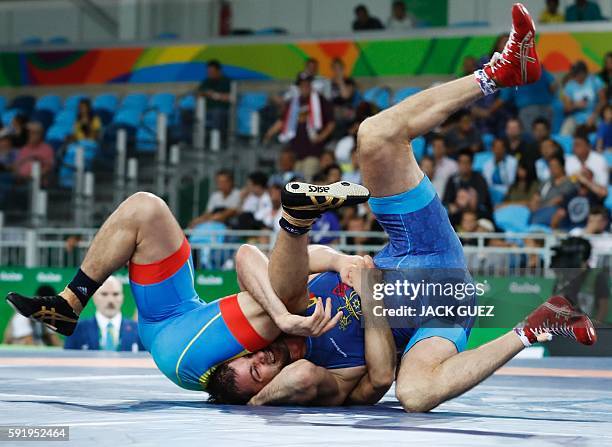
<point x="236" y="381"/>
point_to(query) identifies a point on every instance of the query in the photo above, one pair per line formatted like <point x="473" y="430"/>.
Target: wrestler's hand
<point x="347" y="264"/>
<point x="314" y="325"/>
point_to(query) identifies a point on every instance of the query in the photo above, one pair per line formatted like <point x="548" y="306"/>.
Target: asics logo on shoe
<point x="314" y="188"/>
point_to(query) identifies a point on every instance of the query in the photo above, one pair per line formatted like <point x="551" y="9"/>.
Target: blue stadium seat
<point x="56" y="135"/>
<point x="608" y="156"/>
<point x="480" y="158"/>
<point x="106" y="116"/>
<point x="65" y="118"/>
<point x="608" y="202"/>
<point x="2" y="103"/>
<point x="52" y="103"/>
<point x="67" y="170"/>
<point x="32" y="40"/>
<point x="58" y="40"/>
<point x="379" y="96"/>
<point x="418" y="147"/>
<point x="566" y="142"/>
<point x="558" y="115"/>
<point x="404" y="93"/>
<point x="72" y="102"/>
<point x="539" y="228"/>
<point x="127" y="118"/>
<point x="146" y="134"/>
<point x="593" y="139"/>
<point x="487" y="141"/>
<point x="106" y="101"/>
<point x="513" y="218"/>
<point x="187" y="102"/>
<point x="135" y="101"/>
<point x="164" y="102"/>
<point x="25" y="103"/>
<point x="248" y="103"/>
<point x="8" y="115"/>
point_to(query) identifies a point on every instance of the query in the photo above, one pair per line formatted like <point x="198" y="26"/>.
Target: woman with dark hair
<point x="19" y="131"/>
<point x="524" y="187"/>
<point x="87" y="125"/>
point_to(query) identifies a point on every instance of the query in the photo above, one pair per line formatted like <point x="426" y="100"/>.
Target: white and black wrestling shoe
<point x="303" y="202"/>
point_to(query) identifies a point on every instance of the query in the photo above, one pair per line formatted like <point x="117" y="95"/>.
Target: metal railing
<point x="53" y="247"/>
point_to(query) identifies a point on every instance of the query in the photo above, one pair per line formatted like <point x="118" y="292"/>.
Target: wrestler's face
<point x="256" y="370"/>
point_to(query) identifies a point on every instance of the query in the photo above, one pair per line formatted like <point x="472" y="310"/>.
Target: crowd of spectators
<point x="502" y="151"/>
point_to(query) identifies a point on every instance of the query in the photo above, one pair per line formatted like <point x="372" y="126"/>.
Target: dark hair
<point x="436" y="137"/>
<point x="361" y="8"/>
<point x="598" y="210"/>
<point x="87" y="102"/>
<point x="214" y="63"/>
<point x="398" y="3"/>
<point x="222" y="387"/>
<point x="582" y="133"/>
<point x="258" y="179"/>
<point x="225" y="172"/>
<point x="45" y="290"/>
<point x="541" y="120"/>
<point x="531" y="174"/>
<point x="331" y="167"/>
<point x="312" y="59"/>
<point x="466" y="152"/>
<point x="560" y="158"/>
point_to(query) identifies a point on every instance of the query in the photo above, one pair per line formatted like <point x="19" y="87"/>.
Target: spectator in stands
<point x="19" y="130"/>
<point x="87" y="125"/>
<point x="580" y="97"/>
<point x="598" y="224"/>
<point x="108" y="330"/>
<point x="466" y="189"/>
<point x="469" y="66"/>
<point x="551" y="14"/>
<point x="532" y="263"/>
<point x="583" y="11"/>
<point x="326" y="159"/>
<point x="525" y="186"/>
<point x="216" y="89"/>
<point x="8" y="153"/>
<point x="464" y="134"/>
<point x="605" y="95"/>
<point x="532" y="100"/>
<point x="500" y="171"/>
<point x="400" y="18"/>
<point x="346" y="145"/>
<point x="584" y="157"/>
<point x="552" y="194"/>
<point x="365" y="22"/>
<point x="23" y="331"/>
<point x="256" y="204"/>
<point x="549" y="148"/>
<point x="286" y="169"/>
<point x="306" y="125"/>
<point x="354" y="173"/>
<point x="36" y="150"/>
<point x="443" y="166"/>
<point x="333" y="173"/>
<point x="575" y="209"/>
<point x="271" y="216"/>
<point x="516" y="143"/>
<point x="344" y="97"/>
<point x="223" y="203"/>
<point x="604" y="131"/>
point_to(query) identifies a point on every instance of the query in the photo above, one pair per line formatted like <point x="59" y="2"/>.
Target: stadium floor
<point x="114" y="399"/>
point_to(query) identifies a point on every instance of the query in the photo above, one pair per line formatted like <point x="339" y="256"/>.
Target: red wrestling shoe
<point x="557" y="316"/>
<point x="518" y="64"/>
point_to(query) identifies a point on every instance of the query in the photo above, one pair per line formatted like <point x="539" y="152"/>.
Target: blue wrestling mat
<point x="119" y="400"/>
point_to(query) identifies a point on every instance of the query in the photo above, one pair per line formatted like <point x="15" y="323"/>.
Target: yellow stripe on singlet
<point x="200" y="332"/>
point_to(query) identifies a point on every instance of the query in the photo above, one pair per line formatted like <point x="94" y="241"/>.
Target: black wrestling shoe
<point x="53" y="311"/>
<point x="303" y="202"/>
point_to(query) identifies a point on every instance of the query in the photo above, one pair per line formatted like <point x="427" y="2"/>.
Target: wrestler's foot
<point x="518" y="63"/>
<point x="557" y="316"/>
<point x="53" y="311"/>
<point x="303" y="203"/>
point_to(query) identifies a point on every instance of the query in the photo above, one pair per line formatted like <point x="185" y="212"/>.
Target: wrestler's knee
<point x="146" y="207"/>
<point x="376" y="136"/>
<point x="416" y="398"/>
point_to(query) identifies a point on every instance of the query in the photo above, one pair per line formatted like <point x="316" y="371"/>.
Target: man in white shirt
<point x="585" y="157"/>
<point x="500" y="171"/>
<point x="223" y="203"/>
<point x="256" y="204"/>
<point x="400" y="19"/>
<point x="444" y="167"/>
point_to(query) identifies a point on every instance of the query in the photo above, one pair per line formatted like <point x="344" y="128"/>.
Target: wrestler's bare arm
<point x="304" y="383"/>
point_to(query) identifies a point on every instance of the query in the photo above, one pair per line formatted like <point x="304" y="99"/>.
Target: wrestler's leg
<point x="141" y="230"/>
<point x="387" y="163"/>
